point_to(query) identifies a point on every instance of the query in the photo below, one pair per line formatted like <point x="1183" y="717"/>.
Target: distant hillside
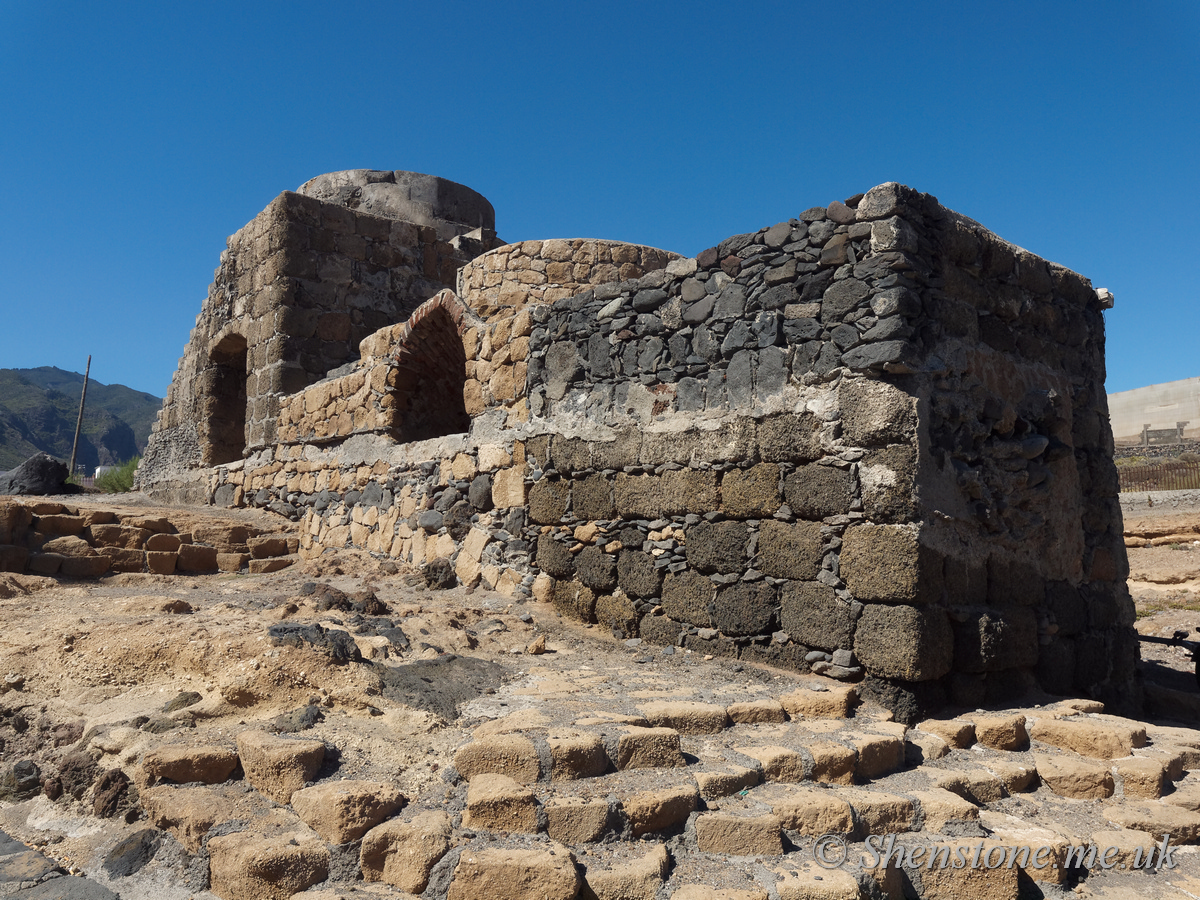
<point x="38" y="409"/>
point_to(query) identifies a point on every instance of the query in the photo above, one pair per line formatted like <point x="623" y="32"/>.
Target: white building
<point x="1175" y="407"/>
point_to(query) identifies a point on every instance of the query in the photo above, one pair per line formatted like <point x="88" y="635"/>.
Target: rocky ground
<point x="341" y="730"/>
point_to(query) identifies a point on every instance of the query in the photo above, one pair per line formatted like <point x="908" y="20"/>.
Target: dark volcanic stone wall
<point x="872" y="438"/>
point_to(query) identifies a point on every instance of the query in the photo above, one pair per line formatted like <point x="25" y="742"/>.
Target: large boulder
<point x="40" y="474"/>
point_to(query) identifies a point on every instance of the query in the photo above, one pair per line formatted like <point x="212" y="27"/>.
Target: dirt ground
<point x="130" y="662"/>
<point x="1164" y="581"/>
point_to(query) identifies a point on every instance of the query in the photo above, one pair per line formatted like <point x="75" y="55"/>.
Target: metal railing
<point x="1171" y="476"/>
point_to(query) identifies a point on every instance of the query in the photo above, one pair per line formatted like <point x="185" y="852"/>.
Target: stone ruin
<point x="870" y="441"/>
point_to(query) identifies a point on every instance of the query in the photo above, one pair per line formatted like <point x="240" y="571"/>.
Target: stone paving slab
<point x="8" y="846"/>
<point x="29" y="875"/>
<point x="28" y="866"/>
<point x="67" y="888"/>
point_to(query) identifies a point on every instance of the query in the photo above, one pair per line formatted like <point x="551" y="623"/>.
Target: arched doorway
<point x="431" y="372"/>
<point x="225" y="406"/>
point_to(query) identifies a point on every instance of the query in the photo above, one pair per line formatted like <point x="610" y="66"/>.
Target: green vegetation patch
<point x="120" y="479"/>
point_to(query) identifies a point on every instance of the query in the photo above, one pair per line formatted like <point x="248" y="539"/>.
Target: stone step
<point x="677" y="798"/>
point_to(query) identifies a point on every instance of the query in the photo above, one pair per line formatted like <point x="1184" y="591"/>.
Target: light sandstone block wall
<point x="532" y="272"/>
<point x="297" y="290"/>
<point x="872" y="439"/>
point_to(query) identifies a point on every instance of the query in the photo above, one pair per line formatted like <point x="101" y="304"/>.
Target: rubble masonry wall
<point x="876" y="429"/>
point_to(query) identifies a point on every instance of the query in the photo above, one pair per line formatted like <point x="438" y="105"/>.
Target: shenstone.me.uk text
<point x="831" y="851"/>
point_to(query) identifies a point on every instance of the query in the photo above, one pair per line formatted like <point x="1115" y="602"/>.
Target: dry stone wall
<point x="47" y="538"/>
<point x="870" y="441"/>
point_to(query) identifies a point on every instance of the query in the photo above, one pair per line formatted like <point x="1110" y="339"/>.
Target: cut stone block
<point x="197" y="558"/>
<point x="245" y="866"/>
<point x="278" y="766"/>
<point x="813" y="812"/>
<point x="975" y="785"/>
<point x="1109" y="738"/>
<point x="880" y="813"/>
<point x="342" y="811"/>
<point x="1001" y="732"/>
<point x="756" y="712"/>
<point x="704" y="892"/>
<point x="120" y="560"/>
<point x="883" y="563"/>
<point x="920" y="748"/>
<point x="516" y="874"/>
<point x="501" y="804"/>
<point x="790" y="550"/>
<point x="68" y="545"/>
<point x="832" y="763"/>
<point x="1074" y="778"/>
<point x="649" y="748"/>
<point x="808" y="881"/>
<point x="403" y="854"/>
<point x="1158" y="820"/>
<point x="163" y="543"/>
<point x="778" y="763"/>
<point x="1186" y="796"/>
<point x="1015" y="776"/>
<point x="152" y="524"/>
<point x="835" y="703"/>
<point x="187" y="812"/>
<point x="119" y="537"/>
<point x="1126" y="849"/>
<point x="813" y="614"/>
<point x="686" y="717"/>
<point x="1047" y="860"/>
<point x="981" y="882"/>
<point x="752" y="492"/>
<point x="78" y="566"/>
<point x="576" y="754"/>
<point x="232" y="562"/>
<point x="905" y="642"/>
<point x="878" y="754"/>
<point x="1141" y="778"/>
<point x="714" y="785"/>
<point x="46" y="563"/>
<point x="264" y="547"/>
<point x="941" y="807"/>
<point x="499" y="754"/>
<point x="638" y="879"/>
<point x="657" y="810"/>
<point x="739" y="835"/>
<point x="59" y="524"/>
<point x="574" y="820"/>
<point x="182" y="765"/>
<point x="266" y="566"/>
<point x="161" y="562"/>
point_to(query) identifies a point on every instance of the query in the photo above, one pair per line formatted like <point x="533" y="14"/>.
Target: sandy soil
<point x="95" y="665"/>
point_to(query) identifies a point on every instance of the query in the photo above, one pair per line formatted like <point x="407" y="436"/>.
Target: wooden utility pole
<point x="79" y="421"/>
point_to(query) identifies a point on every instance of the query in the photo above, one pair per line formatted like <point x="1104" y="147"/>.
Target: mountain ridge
<point x="39" y="407"/>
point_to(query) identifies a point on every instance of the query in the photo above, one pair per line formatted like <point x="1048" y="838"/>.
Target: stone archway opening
<point x="225" y="407"/>
<point x="431" y="371"/>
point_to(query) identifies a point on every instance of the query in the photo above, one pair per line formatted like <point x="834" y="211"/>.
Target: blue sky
<point x="136" y="137"/>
